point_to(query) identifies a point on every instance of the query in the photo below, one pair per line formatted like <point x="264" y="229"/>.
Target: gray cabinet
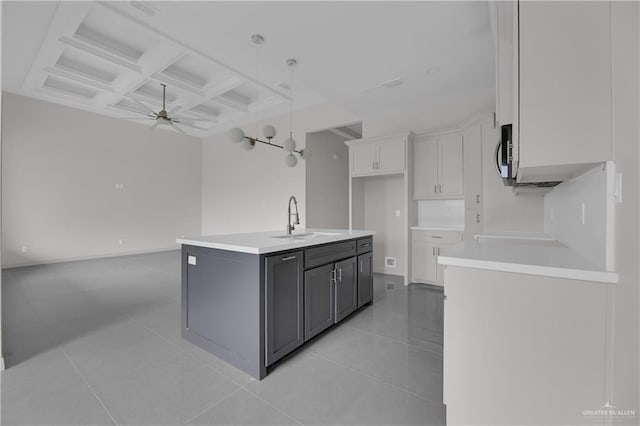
<point x="365" y="279"/>
<point x="346" y="284"/>
<point x="318" y="300"/>
<point x="284" y="304"/>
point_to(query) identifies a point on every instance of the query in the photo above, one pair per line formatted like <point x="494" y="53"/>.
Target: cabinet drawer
<point x="365" y="245"/>
<point x="437" y="237"/>
<point x="331" y="252"/>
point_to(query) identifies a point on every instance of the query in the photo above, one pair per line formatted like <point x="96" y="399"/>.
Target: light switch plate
<point x="191" y="260"/>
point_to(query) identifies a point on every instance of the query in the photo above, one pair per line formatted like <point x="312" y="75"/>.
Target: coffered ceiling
<point x="107" y="57"/>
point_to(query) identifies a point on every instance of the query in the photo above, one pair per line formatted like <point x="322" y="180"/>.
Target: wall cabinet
<point x="426" y="247"/>
<point x="284" y="304"/>
<point x="437" y="171"/>
<point x="377" y="156"/>
<point x="554" y="85"/>
<point x="473" y="166"/>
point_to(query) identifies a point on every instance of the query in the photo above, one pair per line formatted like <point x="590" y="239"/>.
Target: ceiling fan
<point x="163" y="117"/>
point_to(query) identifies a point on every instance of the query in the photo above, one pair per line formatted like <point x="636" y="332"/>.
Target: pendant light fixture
<point x="248" y="142"/>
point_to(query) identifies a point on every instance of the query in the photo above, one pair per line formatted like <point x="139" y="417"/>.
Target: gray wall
<point x="59" y="171"/>
<point x="327" y="181"/>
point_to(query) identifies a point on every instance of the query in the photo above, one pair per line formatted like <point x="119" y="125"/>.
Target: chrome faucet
<point x="291" y="227"/>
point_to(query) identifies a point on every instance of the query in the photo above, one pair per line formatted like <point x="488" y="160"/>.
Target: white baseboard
<point x="99" y="256"/>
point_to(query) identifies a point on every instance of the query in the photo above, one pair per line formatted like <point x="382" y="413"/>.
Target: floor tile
<point x="168" y="392"/>
<point x="314" y="390"/>
<point x="243" y="408"/>
<point x="68" y="404"/>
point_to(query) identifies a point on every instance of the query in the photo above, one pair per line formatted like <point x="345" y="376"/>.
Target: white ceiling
<point x="345" y="50"/>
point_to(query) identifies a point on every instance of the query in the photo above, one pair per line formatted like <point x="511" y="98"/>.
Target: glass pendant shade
<point x="236" y="134"/>
<point x="269" y="131"/>
<point x="289" y="145"/>
<point x="291" y="160"/>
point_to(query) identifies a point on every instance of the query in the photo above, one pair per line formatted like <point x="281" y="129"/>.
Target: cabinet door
<point x="284" y="308"/>
<point x="365" y="279"/>
<point x="346" y="288"/>
<point x="472" y="223"/>
<point x="363" y="158"/>
<point x="439" y="268"/>
<point x="565" y="83"/>
<point x="391" y="156"/>
<point x="318" y="300"/>
<point x="450" y="182"/>
<point x="504" y="62"/>
<point x="472" y="140"/>
<point x="423" y="261"/>
<point x="425" y="169"/>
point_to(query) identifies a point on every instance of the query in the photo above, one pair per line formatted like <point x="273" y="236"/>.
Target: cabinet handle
<point x="373" y="165"/>
<point x="366" y="245"/>
<point x="433" y="251"/>
<point x="340" y="274"/>
<point x="361" y="268"/>
<point x="477" y="198"/>
<point x="284" y="259"/>
<point x="333" y="276"/>
<point x="478" y="218"/>
<point x="435" y="188"/>
<point x="440" y="187"/>
<point x="436" y="236"/>
<point x="438" y="251"/>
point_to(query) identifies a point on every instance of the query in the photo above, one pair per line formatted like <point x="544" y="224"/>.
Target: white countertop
<point x="438" y="228"/>
<point x="264" y="242"/>
<point x="522" y="258"/>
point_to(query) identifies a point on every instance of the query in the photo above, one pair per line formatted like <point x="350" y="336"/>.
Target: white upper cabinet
<point x="380" y="155"/>
<point x="565" y="83"/>
<point x="554" y="85"/>
<point x="363" y="159"/>
<point x="425" y="170"/>
<point x="450" y="167"/>
<point x="391" y="156"/>
<point x="437" y="171"/>
<point x="473" y="166"/>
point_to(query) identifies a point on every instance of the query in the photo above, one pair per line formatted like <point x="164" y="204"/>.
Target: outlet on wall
<point x="24" y="249"/>
<point x="121" y="242"/>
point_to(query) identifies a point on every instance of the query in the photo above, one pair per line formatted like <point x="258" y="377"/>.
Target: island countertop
<point x="273" y="241"/>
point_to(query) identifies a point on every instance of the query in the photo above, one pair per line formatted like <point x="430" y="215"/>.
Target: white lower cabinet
<point x="426" y="246"/>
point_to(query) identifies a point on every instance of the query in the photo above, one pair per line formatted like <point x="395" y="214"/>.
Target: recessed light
<point x="392" y="83"/>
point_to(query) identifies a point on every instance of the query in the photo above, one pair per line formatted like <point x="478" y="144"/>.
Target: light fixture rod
<point x="271" y="144"/>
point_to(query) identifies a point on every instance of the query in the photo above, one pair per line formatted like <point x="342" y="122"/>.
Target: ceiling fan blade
<point x="156" y="124"/>
<point x="145" y="106"/>
<point x="143" y="117"/>
<point x="180" y="120"/>
<point x="178" y="128"/>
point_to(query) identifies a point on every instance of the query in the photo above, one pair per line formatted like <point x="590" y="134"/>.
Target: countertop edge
<point x="274" y="249"/>
<point x="528" y="269"/>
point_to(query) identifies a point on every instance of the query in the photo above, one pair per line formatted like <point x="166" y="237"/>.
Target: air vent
<point x="392" y="83"/>
<point x="390" y="262"/>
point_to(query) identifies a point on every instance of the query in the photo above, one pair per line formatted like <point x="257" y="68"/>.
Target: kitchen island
<point x="250" y="299"/>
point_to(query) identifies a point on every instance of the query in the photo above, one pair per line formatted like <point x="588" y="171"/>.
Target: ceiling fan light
<point x="289" y="145"/>
<point x="237" y="135"/>
<point x="291" y="160"/>
<point x="305" y="154"/>
<point x="269" y="131"/>
<point x="248" y="144"/>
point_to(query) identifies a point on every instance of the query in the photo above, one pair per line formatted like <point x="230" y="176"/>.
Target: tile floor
<point x="98" y="342"/>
